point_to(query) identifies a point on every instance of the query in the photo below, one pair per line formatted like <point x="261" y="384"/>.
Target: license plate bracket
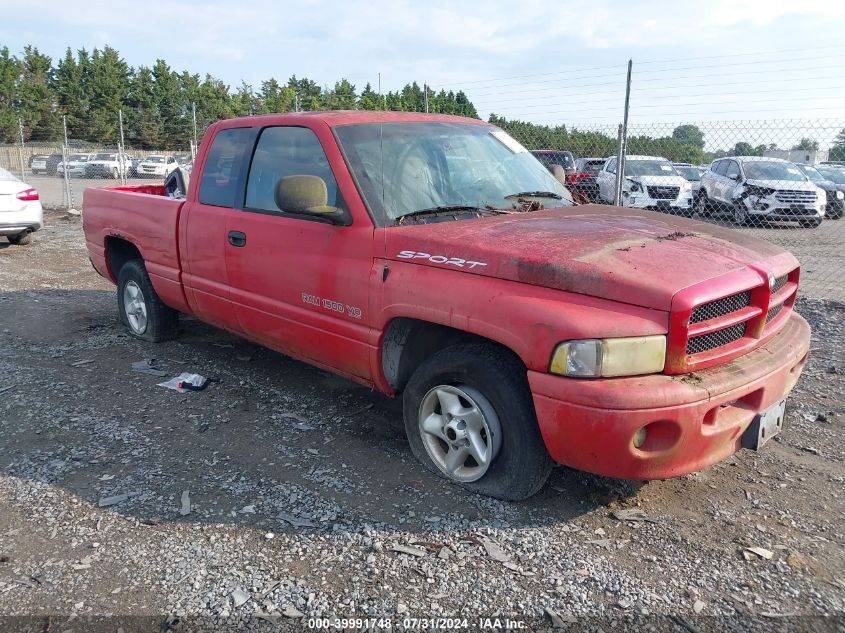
<point x="765" y="426"/>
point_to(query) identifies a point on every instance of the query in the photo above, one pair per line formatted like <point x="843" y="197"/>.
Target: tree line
<point x="88" y="89"/>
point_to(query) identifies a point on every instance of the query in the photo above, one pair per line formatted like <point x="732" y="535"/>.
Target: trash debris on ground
<point x="6" y="388"/>
<point x="494" y="551"/>
<point x="633" y="515"/>
<point x="148" y="366"/>
<point x="698" y="606"/>
<point x="559" y="621"/>
<point x="114" y="500"/>
<point x="80" y="363"/>
<point x="295" y="521"/>
<point x="186" y="503"/>
<point x="186" y="382"/>
<point x="750" y="552"/>
<point x="290" y="611"/>
<point x="239" y="597"/>
<point x="407" y="549"/>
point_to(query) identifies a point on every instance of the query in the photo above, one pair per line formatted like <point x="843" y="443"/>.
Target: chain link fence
<point x="781" y="180"/>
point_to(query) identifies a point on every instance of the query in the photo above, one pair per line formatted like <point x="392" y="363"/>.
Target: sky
<point x="549" y="62"/>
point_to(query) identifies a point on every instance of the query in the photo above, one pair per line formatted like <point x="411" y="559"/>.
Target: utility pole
<point x="379" y="89"/>
<point x="296" y="102"/>
<point x="194" y="117"/>
<point x="65" y="155"/>
<point x="121" y="156"/>
<point x="425" y="97"/>
<point x="623" y="139"/>
<point x="20" y="149"/>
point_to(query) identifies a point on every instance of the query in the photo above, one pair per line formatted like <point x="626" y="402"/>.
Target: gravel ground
<point x="283" y="493"/>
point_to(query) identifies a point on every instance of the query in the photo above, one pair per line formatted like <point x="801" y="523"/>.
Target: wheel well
<point x="408" y="342"/>
<point x="118" y="252"/>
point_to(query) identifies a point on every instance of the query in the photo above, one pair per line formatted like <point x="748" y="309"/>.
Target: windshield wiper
<point x="535" y="194"/>
<point x="448" y="208"/>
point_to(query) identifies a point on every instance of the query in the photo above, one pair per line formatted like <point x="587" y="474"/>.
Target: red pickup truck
<point x="435" y="257"/>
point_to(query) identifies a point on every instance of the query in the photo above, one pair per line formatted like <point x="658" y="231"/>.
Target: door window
<point x="732" y="169"/>
<point x="222" y="176"/>
<point x="293" y="154"/>
<point x="719" y="167"/>
<point x="611" y="166"/>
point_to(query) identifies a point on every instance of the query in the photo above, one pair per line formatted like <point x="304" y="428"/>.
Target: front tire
<point x="21" y="239"/>
<point x="740" y="213"/>
<point x="140" y="307"/>
<point x="470" y="418"/>
<point x="114" y="173"/>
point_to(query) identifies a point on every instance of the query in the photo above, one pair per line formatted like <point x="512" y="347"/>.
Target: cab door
<point x="300" y="281"/>
<point x="204" y="224"/>
<point x="607" y="181"/>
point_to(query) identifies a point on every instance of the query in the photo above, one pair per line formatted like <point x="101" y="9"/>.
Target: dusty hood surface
<point x="637" y="257"/>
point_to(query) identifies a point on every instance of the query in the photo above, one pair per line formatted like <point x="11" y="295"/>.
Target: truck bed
<point x="144" y="216"/>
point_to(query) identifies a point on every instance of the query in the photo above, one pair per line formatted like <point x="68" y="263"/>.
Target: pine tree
<point x="109" y="87"/>
<point x="144" y="123"/>
<point x="37" y="97"/>
<point x="10" y="72"/>
<point x="70" y="83"/>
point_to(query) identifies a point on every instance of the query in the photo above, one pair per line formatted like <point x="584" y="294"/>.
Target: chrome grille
<point x="663" y="193"/>
<point x="791" y="196"/>
<point x="720" y="307"/>
<point x="779" y="283"/>
<point x="712" y="340"/>
<point x="773" y="312"/>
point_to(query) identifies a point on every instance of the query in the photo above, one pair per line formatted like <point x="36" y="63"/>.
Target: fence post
<point x="65" y="155"/>
<point x="623" y="140"/>
<point x="425" y="89"/>
<point x="194" y="117"/>
<point x="121" y="158"/>
<point x="617" y="185"/>
<point x="20" y="149"/>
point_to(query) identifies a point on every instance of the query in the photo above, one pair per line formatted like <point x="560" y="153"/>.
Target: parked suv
<point x="108" y="165"/>
<point x="692" y="174"/>
<point x="75" y="165"/>
<point x="761" y="188"/>
<point x="583" y="180"/>
<point x="835" y="192"/>
<point x="45" y="164"/>
<point x="156" y="165"/>
<point x="650" y="182"/>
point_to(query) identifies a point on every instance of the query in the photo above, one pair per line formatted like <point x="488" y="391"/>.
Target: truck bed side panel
<point x="143" y="216"/>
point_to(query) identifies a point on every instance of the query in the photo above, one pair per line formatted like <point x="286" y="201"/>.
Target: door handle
<point x="236" y="238"/>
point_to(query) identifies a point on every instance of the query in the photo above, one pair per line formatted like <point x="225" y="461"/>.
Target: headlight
<point x="634" y="186"/>
<point x="592" y="358"/>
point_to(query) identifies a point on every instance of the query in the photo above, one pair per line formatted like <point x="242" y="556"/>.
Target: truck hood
<point x="637" y="257"/>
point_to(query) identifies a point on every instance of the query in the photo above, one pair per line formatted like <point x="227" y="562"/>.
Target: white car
<point x="760" y="188"/>
<point x="650" y="182"/>
<point x="75" y="165"/>
<point x="156" y="165"/>
<point x="20" y="209"/>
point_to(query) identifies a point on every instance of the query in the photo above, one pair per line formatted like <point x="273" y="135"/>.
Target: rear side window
<point x="222" y="176"/>
<point x="283" y="152"/>
<point x="610" y="166"/>
<point x="720" y="167"/>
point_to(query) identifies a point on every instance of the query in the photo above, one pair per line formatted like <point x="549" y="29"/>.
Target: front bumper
<point x="644" y="201"/>
<point x="693" y="420"/>
<point x="771" y="208"/>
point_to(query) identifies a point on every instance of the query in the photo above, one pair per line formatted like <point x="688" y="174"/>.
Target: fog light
<point x="639" y="437"/>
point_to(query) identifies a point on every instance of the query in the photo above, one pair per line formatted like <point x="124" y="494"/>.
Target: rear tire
<point x="21" y="239"/>
<point x="140" y="307"/>
<point x="490" y="390"/>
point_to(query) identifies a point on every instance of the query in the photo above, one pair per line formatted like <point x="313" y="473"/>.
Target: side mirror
<point x="733" y="176"/>
<point x="307" y="195"/>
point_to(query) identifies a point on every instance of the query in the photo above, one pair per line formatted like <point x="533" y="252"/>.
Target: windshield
<point x="649" y="168"/>
<point x="690" y="173"/>
<point x="835" y="175"/>
<point x="79" y="158"/>
<point x="402" y="168"/>
<point x="105" y="157"/>
<point x="813" y="174"/>
<point x="765" y="170"/>
<point x="154" y="159"/>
